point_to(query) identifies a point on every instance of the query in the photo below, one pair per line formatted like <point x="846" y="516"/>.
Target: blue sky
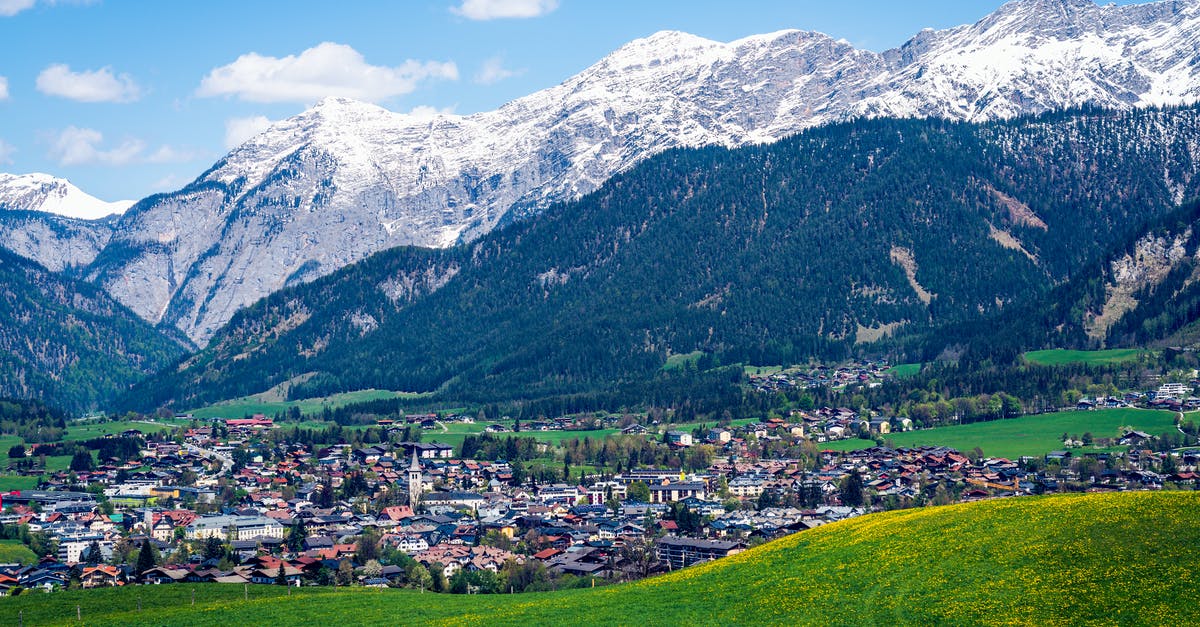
<point x="127" y="98"/>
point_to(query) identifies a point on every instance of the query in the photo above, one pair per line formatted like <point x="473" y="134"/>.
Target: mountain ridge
<point x="49" y="194"/>
<point x="68" y="343"/>
<point x="777" y="253"/>
<point x="344" y="180"/>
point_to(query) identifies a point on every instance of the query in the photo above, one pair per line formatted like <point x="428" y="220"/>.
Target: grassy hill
<point x="1035" y="434"/>
<point x="259" y="404"/>
<point x="1068" y="559"/>
<point x="1059" y="356"/>
<point x="15" y="551"/>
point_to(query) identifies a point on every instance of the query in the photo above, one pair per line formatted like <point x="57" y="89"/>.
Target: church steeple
<point x="414" y="481"/>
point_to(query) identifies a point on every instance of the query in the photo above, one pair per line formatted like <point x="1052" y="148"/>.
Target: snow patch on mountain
<point x="345" y="179"/>
<point x="48" y="194"/>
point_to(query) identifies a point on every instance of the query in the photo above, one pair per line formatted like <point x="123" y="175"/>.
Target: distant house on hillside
<point x="679" y="438"/>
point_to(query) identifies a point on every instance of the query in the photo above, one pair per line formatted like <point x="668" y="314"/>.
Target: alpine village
<point x="780" y="330"/>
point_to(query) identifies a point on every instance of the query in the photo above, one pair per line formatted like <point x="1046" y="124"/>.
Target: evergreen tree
<point x="146" y="558"/>
<point x="297" y="535"/>
<point x="851" y="490"/>
<point x="93" y="554"/>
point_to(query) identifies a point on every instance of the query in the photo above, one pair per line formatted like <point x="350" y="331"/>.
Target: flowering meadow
<point x="1115" y="558"/>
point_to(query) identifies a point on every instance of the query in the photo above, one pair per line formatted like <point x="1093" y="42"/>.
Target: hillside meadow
<point x="1060" y="356"/>
<point x="1034" y="435"/>
<point x="1059" y="560"/>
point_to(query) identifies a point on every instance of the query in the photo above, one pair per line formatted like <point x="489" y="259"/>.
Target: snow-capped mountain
<point x="52" y="222"/>
<point x="345" y="179"/>
<point x="48" y="194"/>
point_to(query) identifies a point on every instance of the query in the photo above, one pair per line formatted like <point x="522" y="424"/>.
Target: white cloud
<point x="169" y="182"/>
<point x="6" y="152"/>
<point x="80" y="146"/>
<point x="496" y="9"/>
<point x="170" y="154"/>
<point x="493" y="71"/>
<point x="426" y="111"/>
<point x="84" y="146"/>
<point x="327" y="69"/>
<point x="3" y="87"/>
<point x="87" y="86"/>
<point x="238" y="130"/>
<point x="9" y="8"/>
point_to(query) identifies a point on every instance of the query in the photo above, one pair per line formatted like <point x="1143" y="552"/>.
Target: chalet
<point x="102" y="577"/>
<point x="679" y="438"/>
<point x="720" y="436"/>
<point x="271" y="575"/>
<point x="670" y="492"/>
<point x="427" y="450"/>
<point x="369" y="455"/>
<point x="682" y="552"/>
<point x="411" y="543"/>
<point x="164" y="574"/>
<point x="1134" y="438"/>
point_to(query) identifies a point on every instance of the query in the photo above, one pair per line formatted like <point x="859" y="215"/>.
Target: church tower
<point x="414" y="481"/>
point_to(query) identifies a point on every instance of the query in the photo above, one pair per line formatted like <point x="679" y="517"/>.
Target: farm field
<point x="1126" y="558"/>
<point x="1036" y="434"/>
<point x="250" y="405"/>
<point x="676" y="362"/>
<point x="89" y="430"/>
<point x="901" y="371"/>
<point x="762" y="370"/>
<point x="14" y="551"/>
<point x="1059" y="357"/>
<point x="457" y="431"/>
<point x="851" y="444"/>
<point x="8" y="483"/>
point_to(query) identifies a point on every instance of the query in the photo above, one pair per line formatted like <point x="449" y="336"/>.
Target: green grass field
<point x="1059" y="357"/>
<point x="901" y="371"/>
<point x="459" y="431"/>
<point x="13" y="551"/>
<point x="852" y="444"/>
<point x="1120" y="558"/>
<point x="762" y="370"/>
<point x="8" y="483"/>
<point x="456" y="431"/>
<point x="250" y="405"/>
<point x="675" y="362"/>
<point x="1037" y="434"/>
<point x="89" y="430"/>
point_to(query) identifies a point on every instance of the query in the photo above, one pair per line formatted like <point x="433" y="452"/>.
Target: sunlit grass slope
<point x="1124" y="558"/>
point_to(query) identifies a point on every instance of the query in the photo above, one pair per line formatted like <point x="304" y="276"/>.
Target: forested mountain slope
<point x="768" y="254"/>
<point x="346" y="179"/>
<point x="67" y="343"/>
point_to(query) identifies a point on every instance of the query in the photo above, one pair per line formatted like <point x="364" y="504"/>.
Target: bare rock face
<point x="53" y="241"/>
<point x="52" y="222"/>
<point x="345" y="179"/>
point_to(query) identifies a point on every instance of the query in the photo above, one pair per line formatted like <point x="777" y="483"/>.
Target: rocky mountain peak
<point x="346" y="179"/>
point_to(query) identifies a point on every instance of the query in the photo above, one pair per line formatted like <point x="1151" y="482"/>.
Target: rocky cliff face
<point x="346" y="179"/>
<point x="52" y="222"/>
